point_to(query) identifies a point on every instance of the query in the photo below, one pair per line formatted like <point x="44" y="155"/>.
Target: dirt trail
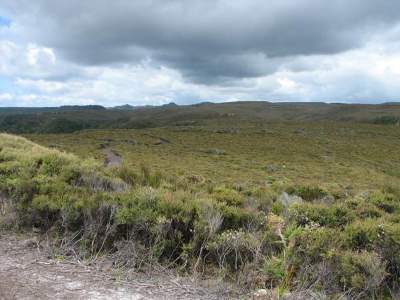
<point x="113" y="158"/>
<point x="28" y="273"/>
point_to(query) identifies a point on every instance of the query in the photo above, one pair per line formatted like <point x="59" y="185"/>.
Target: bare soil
<point x="113" y="158"/>
<point x="28" y="272"/>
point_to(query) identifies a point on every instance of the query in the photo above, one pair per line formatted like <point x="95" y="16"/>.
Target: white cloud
<point x="359" y="75"/>
<point x="40" y="56"/>
<point x="42" y="86"/>
<point x="5" y="97"/>
<point x="8" y="56"/>
<point x="43" y="75"/>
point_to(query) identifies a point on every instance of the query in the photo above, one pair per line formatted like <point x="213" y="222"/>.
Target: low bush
<point x="320" y="258"/>
<point x="362" y="234"/>
<point x="236" y="217"/>
<point x="336" y="215"/>
<point x="363" y="209"/>
<point x="275" y="269"/>
<point x="388" y="202"/>
<point x="308" y="193"/>
<point x="314" y="245"/>
<point x="261" y="198"/>
<point x="361" y="272"/>
<point x="228" y="196"/>
<point x="234" y="249"/>
<point x="379" y="236"/>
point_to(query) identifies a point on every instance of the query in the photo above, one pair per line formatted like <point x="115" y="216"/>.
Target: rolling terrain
<point x="335" y="155"/>
<point x="74" y="118"/>
<point x="299" y="200"/>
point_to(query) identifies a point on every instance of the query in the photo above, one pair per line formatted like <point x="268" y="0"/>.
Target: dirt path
<point x="28" y="273"/>
<point x="113" y="158"/>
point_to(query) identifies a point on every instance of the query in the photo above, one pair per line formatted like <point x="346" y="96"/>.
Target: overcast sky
<point x="158" y="51"/>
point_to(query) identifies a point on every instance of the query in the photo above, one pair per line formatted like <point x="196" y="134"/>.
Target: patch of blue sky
<point x="4" y="21"/>
<point x="6" y="85"/>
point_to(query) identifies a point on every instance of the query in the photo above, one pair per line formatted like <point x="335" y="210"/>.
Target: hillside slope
<point x="289" y="239"/>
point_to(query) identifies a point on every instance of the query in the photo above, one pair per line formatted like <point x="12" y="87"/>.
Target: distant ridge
<point x="203" y="103"/>
<point x="171" y="104"/>
<point x="125" y="107"/>
<point x="132" y="107"/>
<point x="81" y="107"/>
<point x="73" y="118"/>
<point x="390" y="103"/>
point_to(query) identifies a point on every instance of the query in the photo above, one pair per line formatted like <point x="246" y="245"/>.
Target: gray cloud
<point x="208" y="41"/>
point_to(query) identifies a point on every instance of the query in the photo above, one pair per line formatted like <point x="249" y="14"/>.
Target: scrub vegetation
<point x="296" y="208"/>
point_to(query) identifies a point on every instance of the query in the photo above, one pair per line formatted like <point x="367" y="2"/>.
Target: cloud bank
<point x="153" y="51"/>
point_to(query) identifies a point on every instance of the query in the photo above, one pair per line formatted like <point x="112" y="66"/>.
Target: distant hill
<point x="81" y="107"/>
<point x="171" y="104"/>
<point x="131" y="107"/>
<point x="125" y="107"/>
<point x="24" y="110"/>
<point x="72" y="118"/>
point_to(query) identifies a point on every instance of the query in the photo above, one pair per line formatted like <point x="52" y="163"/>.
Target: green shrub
<point x="44" y="202"/>
<point x="233" y="249"/>
<point x="311" y="259"/>
<point x="236" y="217"/>
<point x="378" y="236"/>
<point x="308" y="193"/>
<point x="229" y="196"/>
<point x="322" y="258"/>
<point x="272" y="243"/>
<point x="385" y="201"/>
<point x="361" y="272"/>
<point x="128" y="175"/>
<point x="362" y="234"/>
<point x="276" y="270"/>
<point x="389" y="248"/>
<point x="51" y="165"/>
<point x="148" y="178"/>
<point x="22" y="190"/>
<point x="363" y="209"/>
<point x="330" y="216"/>
<point x="261" y="198"/>
<point x="278" y="208"/>
<point x="206" y="226"/>
<point x="139" y="207"/>
<point x="314" y="245"/>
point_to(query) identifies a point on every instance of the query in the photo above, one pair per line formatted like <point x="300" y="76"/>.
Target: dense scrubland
<point x="295" y="207"/>
<point x="69" y="119"/>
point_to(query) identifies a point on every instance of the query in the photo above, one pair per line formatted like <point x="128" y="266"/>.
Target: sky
<point x="152" y="52"/>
